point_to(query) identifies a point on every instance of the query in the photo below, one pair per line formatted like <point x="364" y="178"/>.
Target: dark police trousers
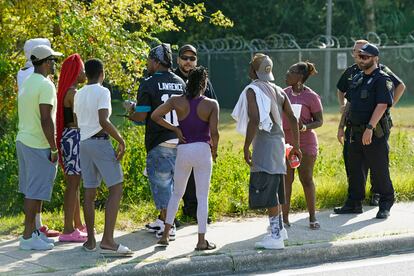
<point x="374" y="157"/>
<point x="347" y="138"/>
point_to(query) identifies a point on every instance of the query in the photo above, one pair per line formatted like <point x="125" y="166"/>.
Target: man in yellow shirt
<point x="35" y="143"/>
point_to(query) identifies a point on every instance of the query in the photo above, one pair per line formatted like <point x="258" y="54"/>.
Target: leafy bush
<point x="229" y="183"/>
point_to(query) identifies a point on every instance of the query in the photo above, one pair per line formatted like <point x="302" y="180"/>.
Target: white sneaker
<point x="270" y="243"/>
<point x="155" y="226"/>
<point x="159" y="233"/>
<point x="283" y="233"/>
<point x="35" y="243"/>
<point x="46" y="239"/>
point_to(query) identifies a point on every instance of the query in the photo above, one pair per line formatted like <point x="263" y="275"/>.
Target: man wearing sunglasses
<point x="343" y="86"/>
<point x="36" y="149"/>
<point x="370" y="96"/>
<point x="187" y="60"/>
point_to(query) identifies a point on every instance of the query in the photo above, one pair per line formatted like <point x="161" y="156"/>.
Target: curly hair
<point x="196" y="82"/>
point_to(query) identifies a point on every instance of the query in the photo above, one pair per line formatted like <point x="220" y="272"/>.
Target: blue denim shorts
<point x="160" y="169"/>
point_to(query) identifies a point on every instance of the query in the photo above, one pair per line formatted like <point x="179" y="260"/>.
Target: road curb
<point x="257" y="260"/>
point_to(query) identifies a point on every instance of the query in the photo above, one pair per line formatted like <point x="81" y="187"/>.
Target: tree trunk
<point x="370" y="16"/>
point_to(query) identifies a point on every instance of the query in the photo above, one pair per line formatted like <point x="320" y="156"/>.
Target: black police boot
<point x="383" y="214"/>
<point x="374" y="199"/>
<point x="350" y="207"/>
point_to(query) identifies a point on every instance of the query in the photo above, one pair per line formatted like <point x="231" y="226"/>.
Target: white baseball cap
<point x="43" y="51"/>
<point x="31" y="43"/>
<point x="263" y="65"/>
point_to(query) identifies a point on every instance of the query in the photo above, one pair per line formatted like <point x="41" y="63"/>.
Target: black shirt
<point x="154" y="91"/>
<point x="366" y="92"/>
<point x="345" y="80"/>
<point x="209" y="93"/>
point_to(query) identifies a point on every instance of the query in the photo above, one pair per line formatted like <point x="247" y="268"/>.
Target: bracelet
<point x="54" y="151"/>
<point x="303" y="128"/>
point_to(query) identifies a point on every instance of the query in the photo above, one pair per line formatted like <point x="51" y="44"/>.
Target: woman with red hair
<point x="67" y="140"/>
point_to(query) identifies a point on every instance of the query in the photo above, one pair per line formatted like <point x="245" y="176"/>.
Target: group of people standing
<point x="180" y="113"/>
<point x="180" y="121"/>
<point x="71" y="127"/>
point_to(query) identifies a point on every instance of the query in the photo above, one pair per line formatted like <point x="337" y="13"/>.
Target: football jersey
<point x="154" y="91"/>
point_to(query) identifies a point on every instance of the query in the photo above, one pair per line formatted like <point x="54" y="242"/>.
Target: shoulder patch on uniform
<point x="389" y="85"/>
<point x="382" y="72"/>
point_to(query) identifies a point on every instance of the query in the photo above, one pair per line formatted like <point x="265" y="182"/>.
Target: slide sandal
<point x="210" y="246"/>
<point x="122" y="251"/>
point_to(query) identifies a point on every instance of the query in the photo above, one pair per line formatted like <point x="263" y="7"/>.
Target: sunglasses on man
<point x="364" y="57"/>
<point x="188" y="58"/>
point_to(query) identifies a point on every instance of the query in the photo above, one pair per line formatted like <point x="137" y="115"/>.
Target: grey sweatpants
<point x="196" y="156"/>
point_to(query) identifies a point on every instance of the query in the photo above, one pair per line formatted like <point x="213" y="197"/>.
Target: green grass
<point x="229" y="184"/>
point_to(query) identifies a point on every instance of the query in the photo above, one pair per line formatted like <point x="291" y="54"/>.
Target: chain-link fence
<point x="228" y="61"/>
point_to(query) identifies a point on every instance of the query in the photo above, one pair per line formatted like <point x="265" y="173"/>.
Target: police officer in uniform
<point x="343" y="86"/>
<point x="187" y="60"/>
<point x="370" y="96"/>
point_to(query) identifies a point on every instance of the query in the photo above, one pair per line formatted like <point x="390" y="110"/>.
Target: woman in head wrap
<point x="67" y="140"/>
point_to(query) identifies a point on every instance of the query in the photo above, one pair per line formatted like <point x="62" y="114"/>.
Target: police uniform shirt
<point x="345" y="81"/>
<point x="154" y="91"/>
<point x="209" y="93"/>
<point x="366" y="93"/>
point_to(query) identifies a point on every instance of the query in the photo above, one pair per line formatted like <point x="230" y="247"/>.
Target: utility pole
<point x="370" y="19"/>
<point x="327" y="78"/>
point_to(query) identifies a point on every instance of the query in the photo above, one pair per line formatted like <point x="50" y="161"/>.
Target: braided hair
<point x="196" y="82"/>
<point x="306" y="69"/>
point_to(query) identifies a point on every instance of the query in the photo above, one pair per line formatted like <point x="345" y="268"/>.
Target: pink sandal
<point x="83" y="229"/>
<point x="75" y="236"/>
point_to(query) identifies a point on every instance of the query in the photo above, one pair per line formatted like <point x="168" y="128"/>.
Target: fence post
<point x="327" y="77"/>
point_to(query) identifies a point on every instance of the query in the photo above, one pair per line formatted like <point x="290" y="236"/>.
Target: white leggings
<point x="196" y="156"/>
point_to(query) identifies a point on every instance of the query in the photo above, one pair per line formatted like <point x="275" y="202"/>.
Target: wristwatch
<point x="369" y="126"/>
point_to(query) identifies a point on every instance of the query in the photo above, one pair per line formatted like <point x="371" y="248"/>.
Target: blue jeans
<point x="160" y="169"/>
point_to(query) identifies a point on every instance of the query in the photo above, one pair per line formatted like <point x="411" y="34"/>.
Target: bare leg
<point x="290" y="176"/>
<point x="77" y="216"/>
<point x="111" y="213"/>
<point x="89" y="213"/>
<point x="70" y="202"/>
<point x="306" y="178"/>
<point x="274" y="211"/>
<point x="166" y="234"/>
<point x="31" y="207"/>
<point x="163" y="214"/>
<point x="202" y="243"/>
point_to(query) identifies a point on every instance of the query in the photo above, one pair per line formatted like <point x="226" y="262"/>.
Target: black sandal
<point x="163" y="243"/>
<point x="210" y="246"/>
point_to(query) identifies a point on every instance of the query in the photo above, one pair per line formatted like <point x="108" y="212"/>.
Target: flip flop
<point x="314" y="225"/>
<point x="210" y="246"/>
<point x="122" y="251"/>
<point x="87" y="249"/>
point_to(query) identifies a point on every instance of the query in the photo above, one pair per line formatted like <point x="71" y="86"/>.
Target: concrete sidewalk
<point x="341" y="237"/>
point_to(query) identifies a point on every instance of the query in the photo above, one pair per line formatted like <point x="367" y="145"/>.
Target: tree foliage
<point x="302" y="18"/>
<point x="118" y="32"/>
